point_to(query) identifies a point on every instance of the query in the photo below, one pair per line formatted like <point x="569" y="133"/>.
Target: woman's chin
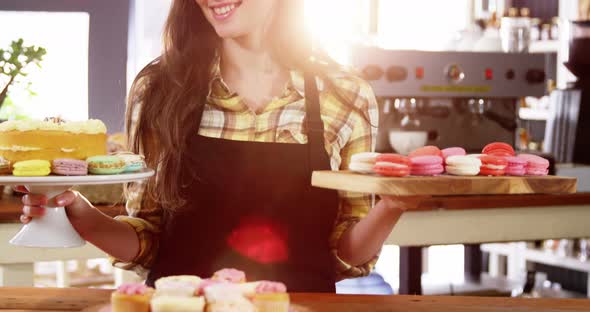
<point x="229" y="32"/>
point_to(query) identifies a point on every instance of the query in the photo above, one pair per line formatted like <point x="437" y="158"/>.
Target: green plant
<point x="13" y="64"/>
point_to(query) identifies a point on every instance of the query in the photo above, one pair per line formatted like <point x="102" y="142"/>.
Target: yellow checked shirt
<point x="225" y="116"/>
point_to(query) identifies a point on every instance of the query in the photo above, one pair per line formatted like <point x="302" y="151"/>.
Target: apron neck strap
<point x="313" y="124"/>
<point x="313" y="119"/>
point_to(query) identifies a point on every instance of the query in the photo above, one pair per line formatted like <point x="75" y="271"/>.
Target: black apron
<point x="251" y="206"/>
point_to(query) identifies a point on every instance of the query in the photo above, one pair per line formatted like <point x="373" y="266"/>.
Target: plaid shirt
<point x="226" y="116"/>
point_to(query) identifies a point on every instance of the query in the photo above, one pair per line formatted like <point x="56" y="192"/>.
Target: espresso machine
<point x="465" y="99"/>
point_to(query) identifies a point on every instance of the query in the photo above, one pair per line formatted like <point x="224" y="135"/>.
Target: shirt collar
<point x="218" y="89"/>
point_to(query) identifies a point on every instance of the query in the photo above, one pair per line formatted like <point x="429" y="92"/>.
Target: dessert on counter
<point x="226" y="290"/>
<point x="131" y="298"/>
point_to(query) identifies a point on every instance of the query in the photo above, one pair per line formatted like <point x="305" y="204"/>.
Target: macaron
<point x="32" y="168"/>
<point x="461" y="165"/>
<point x="69" y="167"/>
<point x="493" y="165"/>
<point x="536" y="165"/>
<point x="363" y="162"/>
<point x="5" y="166"/>
<point x="105" y="164"/>
<point x="427" y="165"/>
<point x="498" y="149"/>
<point x="392" y="165"/>
<point x="428" y="150"/>
<point x="516" y="166"/>
<point x="453" y="151"/>
<point x="133" y="162"/>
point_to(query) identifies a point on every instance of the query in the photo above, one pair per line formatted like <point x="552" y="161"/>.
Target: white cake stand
<point x="54" y="229"/>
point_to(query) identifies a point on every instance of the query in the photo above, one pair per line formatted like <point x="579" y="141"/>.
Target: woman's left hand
<point x="401" y="203"/>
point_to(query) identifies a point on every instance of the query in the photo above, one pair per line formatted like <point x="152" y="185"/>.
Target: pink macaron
<point x="516" y="166"/>
<point x="453" y="151"/>
<point x="69" y="167"/>
<point x="427" y="165"/>
<point x="536" y="165"/>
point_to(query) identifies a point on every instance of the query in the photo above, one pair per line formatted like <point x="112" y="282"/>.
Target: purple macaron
<point x="69" y="167"/>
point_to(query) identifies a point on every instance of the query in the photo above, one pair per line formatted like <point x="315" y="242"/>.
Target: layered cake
<point x="52" y="139"/>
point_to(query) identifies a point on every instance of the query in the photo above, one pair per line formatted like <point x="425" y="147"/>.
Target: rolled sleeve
<point x="145" y="219"/>
<point x="355" y="206"/>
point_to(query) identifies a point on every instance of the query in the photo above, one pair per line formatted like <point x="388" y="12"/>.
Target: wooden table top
<point x="54" y="299"/>
<point x="11" y="206"/>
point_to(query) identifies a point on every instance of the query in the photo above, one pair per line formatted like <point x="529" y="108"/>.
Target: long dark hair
<point x="167" y="95"/>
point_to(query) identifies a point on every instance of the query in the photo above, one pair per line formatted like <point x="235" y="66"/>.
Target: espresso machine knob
<point x="535" y="76"/>
<point x="454" y="73"/>
<point x="372" y="72"/>
<point x="396" y="73"/>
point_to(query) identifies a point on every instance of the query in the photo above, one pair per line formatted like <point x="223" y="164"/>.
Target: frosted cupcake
<point x="131" y="298"/>
<point x="271" y="297"/>
<point x="179" y="285"/>
<point x="225" y="297"/>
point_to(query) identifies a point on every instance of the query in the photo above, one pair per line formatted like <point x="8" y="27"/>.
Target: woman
<point x="234" y="119"/>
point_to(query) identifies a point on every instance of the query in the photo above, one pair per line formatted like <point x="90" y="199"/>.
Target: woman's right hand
<point x="74" y="203"/>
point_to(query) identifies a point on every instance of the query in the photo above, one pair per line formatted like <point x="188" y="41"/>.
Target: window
<point x="421" y="24"/>
<point x="416" y="24"/>
<point x="61" y="85"/>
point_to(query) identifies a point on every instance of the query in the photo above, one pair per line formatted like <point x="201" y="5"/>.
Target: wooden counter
<point x="436" y="220"/>
<point x="53" y="299"/>
<point x="11" y="206"/>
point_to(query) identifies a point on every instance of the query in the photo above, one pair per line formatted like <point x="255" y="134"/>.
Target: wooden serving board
<point x="442" y="185"/>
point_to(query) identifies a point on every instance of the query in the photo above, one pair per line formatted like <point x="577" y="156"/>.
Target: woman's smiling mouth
<point x="225" y="10"/>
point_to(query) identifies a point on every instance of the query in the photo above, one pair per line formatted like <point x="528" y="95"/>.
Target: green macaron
<point x="105" y="164"/>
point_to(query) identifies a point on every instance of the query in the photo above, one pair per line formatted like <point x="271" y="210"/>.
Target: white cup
<point x="404" y="142"/>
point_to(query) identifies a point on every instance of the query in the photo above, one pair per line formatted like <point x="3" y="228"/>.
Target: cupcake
<point x="131" y="298"/>
<point x="206" y="283"/>
<point x="226" y="297"/>
<point x="271" y="297"/>
<point x="177" y="304"/>
<point x="229" y="275"/>
<point x="180" y="285"/>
